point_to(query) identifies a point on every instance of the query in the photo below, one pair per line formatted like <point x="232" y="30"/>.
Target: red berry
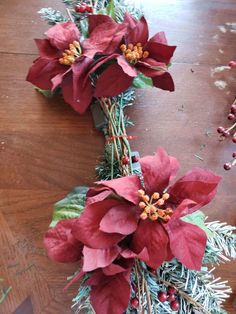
<point x="234" y="139"/>
<point x="220" y="129"/>
<point x="234" y="155"/>
<point x="125" y="160"/>
<point x="232" y="64"/>
<point x="89" y="9"/>
<point x="135" y="159"/>
<point x="134" y="303"/>
<point x="174" y="305"/>
<point x="233" y="109"/>
<point x="226" y="133"/>
<point x="231" y="116"/>
<point x="171" y="290"/>
<point x="227" y="166"/>
<point x="162" y="296"/>
<point x="171" y="298"/>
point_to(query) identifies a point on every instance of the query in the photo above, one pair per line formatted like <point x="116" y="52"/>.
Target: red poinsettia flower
<point x="135" y="55"/>
<point x="147" y="217"/>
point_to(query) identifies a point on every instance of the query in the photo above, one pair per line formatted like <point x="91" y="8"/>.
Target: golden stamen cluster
<point x="133" y="53"/>
<point x="151" y="206"/>
<point x="69" y="55"/>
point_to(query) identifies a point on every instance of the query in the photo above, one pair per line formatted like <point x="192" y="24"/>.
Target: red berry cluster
<point x="83" y="8"/>
<point x="125" y="159"/>
<point x="169" y="296"/>
<point x="226" y="132"/>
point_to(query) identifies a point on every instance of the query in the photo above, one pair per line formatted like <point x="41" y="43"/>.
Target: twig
<point x="70" y="15"/>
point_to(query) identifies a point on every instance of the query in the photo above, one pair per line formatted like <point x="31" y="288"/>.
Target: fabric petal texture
<point x="60" y="244"/>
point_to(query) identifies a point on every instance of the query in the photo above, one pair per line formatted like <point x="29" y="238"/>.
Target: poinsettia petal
<point x="126" y="67"/>
<point x="94" y="20"/>
<point x="105" y="38"/>
<point x="151" y="235"/>
<point x="60" y="244"/>
<point x="150" y="68"/>
<point x="43" y="70"/>
<point x="199" y="185"/>
<point x="63" y="34"/>
<point x="130" y="20"/>
<point x="139" y="33"/>
<point x="76" y="88"/>
<point x="97" y="194"/>
<point x="126" y="187"/>
<point x="158" y="38"/>
<point x="174" y="165"/>
<point x="187" y="243"/>
<point x="111" y="295"/>
<point x="86" y="228"/>
<point x="120" y="219"/>
<point x="46" y="50"/>
<point x="184" y="208"/>
<point x="164" y="82"/>
<point x="112" y="82"/>
<point x="118" y="266"/>
<point x="99" y="258"/>
<point x="160" y="52"/>
<point x="157" y="171"/>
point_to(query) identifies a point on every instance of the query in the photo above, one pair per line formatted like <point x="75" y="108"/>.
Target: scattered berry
<point x="220" y="129"/>
<point x="171" y="290"/>
<point x="231" y="116"/>
<point x="226" y="133"/>
<point x="174" y="305"/>
<point x="234" y="155"/>
<point x="171" y="298"/>
<point x="125" y="160"/>
<point x="162" y="296"/>
<point x="232" y="64"/>
<point x="135" y="159"/>
<point x="234" y="139"/>
<point x="227" y="166"/>
<point x="134" y="303"/>
<point x="233" y="109"/>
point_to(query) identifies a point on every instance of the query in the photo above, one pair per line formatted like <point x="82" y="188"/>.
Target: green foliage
<point x="44" y="92"/>
<point x="142" y="81"/>
<point x="198" y="218"/>
<point x="52" y="16"/>
<point x="71" y="206"/>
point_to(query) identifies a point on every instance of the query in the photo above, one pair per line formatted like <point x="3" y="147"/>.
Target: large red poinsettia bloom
<point x="136" y="54"/>
<point x="148" y="214"/>
<point x="62" y="61"/>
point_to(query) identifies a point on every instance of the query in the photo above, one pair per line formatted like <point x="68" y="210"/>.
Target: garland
<point x="141" y="241"/>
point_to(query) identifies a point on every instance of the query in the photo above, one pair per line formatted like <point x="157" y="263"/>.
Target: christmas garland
<point x="141" y="242"/>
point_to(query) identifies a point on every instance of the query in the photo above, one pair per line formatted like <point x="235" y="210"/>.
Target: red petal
<point x="138" y="33"/>
<point x="164" y="82"/>
<point x="120" y="219"/>
<point x="63" y="34"/>
<point x="130" y="20"/>
<point x="60" y="244"/>
<point x="97" y="194"/>
<point x="99" y="258"/>
<point x="158" y="170"/>
<point x="151" y="67"/>
<point x="112" y="82"/>
<point x="187" y="243"/>
<point x="111" y="295"/>
<point x="160" y="52"/>
<point x="151" y="235"/>
<point x="126" y="67"/>
<point x="198" y="185"/>
<point x="105" y="38"/>
<point x="119" y="266"/>
<point x="186" y="207"/>
<point x="126" y="187"/>
<point x="43" y="70"/>
<point x="158" y="38"/>
<point x="94" y="20"/>
<point x="86" y="228"/>
<point x="76" y="88"/>
<point x="46" y="50"/>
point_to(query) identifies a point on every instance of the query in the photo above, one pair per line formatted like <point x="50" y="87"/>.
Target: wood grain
<point x="46" y="149"/>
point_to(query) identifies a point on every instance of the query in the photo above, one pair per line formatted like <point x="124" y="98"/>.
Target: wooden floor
<point x="46" y="149"/>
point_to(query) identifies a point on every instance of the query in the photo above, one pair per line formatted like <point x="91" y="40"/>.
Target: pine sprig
<point x="52" y="16"/>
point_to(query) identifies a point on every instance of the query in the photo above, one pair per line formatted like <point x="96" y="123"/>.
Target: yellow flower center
<point x="69" y="55"/>
<point x="153" y="207"/>
<point x="133" y="53"/>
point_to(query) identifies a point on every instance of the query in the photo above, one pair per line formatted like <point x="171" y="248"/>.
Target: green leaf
<point x="46" y="93"/>
<point x="142" y="81"/>
<point x="71" y="206"/>
<point x="110" y="8"/>
<point x="198" y="218"/>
